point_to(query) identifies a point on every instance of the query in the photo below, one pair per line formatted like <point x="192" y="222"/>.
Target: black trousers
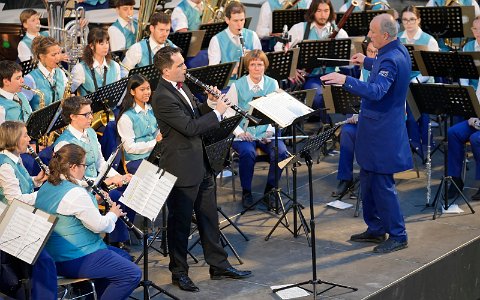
<point x="181" y="202"/>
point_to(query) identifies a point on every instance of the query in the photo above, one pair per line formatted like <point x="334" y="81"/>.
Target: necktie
<point x="130" y="27"/>
<point x="179" y="85"/>
<point x="256" y="88"/>
<point x="16" y="99"/>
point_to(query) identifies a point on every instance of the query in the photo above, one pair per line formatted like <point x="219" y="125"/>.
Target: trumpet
<point x="37" y="159"/>
<point x="210" y="90"/>
<point x="96" y="190"/>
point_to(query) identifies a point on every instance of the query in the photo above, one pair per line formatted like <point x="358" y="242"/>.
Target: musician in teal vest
<point x="47" y="76"/>
<point x="413" y="34"/>
<point x="227" y="46"/>
<point x="13" y="104"/>
<point x="16" y="184"/>
<point x="75" y="243"/>
<point x="30" y="20"/>
<point x="97" y="69"/>
<point x="78" y="113"/>
<point x="123" y="31"/>
<point x="137" y="125"/>
<point x="141" y="53"/>
<point x="242" y="91"/>
<point x="92" y="4"/>
<point x="187" y="15"/>
<point x="377" y="5"/>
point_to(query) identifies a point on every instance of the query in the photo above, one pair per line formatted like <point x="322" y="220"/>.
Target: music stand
<point x="411" y="49"/>
<point x="336" y="53"/>
<point x="214" y="75"/>
<point x="358" y="24"/>
<point x="41" y="122"/>
<point x="189" y="41"/>
<point x="313" y="144"/>
<point x="107" y="97"/>
<point x="28" y="66"/>
<point x="289" y="17"/>
<point x="281" y="64"/>
<point x="447" y="21"/>
<point x="444" y="99"/>
<point x="452" y="65"/>
<point x="150" y="72"/>
<point x="211" y="29"/>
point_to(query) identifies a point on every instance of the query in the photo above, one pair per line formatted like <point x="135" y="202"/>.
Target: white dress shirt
<point x="117" y="39"/>
<point x="134" y="55"/>
<point x="127" y="134"/>
<point x="474" y="3"/>
<point x="78" y="72"/>
<point x="179" y="19"/>
<point x="77" y="202"/>
<point x="215" y="51"/>
<point x="10" y="184"/>
<point x="28" y="80"/>
<point x="100" y="164"/>
<point x="24" y="52"/>
<point x="8" y="96"/>
<point x="361" y="5"/>
<point x="298" y="30"/>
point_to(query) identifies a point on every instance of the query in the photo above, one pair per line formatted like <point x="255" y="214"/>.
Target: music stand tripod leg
<point x="226" y="242"/>
<point x="230" y="222"/>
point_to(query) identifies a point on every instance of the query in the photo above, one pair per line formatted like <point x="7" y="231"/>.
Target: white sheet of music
<point x="281" y="107"/>
<point x="25" y="233"/>
<point x="147" y="191"/>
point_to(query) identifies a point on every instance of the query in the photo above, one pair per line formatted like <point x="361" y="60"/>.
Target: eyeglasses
<point x="409" y="21"/>
<point x="86" y="115"/>
<point x="374" y="52"/>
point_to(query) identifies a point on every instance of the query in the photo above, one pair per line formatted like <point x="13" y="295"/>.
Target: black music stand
<point x="336" y="53"/>
<point x="107" y="97"/>
<point x="281" y="64"/>
<point x="189" y="41"/>
<point x="28" y="66"/>
<point x="150" y="72"/>
<point x="211" y="29"/>
<point x="287" y="17"/>
<point x="411" y="49"/>
<point x="215" y="75"/>
<point x="314" y="143"/>
<point x="451" y="100"/>
<point x="358" y="23"/>
<point x="41" y="122"/>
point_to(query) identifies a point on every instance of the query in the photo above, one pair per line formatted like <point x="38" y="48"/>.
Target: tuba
<point x="146" y="10"/>
<point x="213" y="10"/>
<point x="290" y="4"/>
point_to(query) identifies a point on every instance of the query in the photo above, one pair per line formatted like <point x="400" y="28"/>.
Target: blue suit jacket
<point x="382" y="141"/>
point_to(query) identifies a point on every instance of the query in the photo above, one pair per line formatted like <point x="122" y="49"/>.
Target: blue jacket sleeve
<point x="368" y="63"/>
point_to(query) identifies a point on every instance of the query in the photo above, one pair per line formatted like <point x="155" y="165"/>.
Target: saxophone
<point x="68" y="85"/>
<point x="40" y="94"/>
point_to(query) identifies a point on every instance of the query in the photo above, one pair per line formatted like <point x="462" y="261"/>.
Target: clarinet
<point x="37" y="159"/>
<point x="138" y="233"/>
<point x="242" y="42"/>
<point x="210" y="90"/>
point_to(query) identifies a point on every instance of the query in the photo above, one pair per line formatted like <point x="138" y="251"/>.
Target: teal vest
<point x="28" y="41"/>
<point x="129" y="36"/>
<point x="144" y="127"/>
<point x="52" y="93"/>
<point x="94" y="2"/>
<point x="91" y="148"/>
<point x="230" y="51"/>
<point x="275" y="4"/>
<point x="146" y="60"/>
<point x="88" y="86"/>
<point x="423" y="40"/>
<point x="365" y="74"/>
<point x="13" y="111"/>
<point x="313" y="36"/>
<point x="377" y="6"/>
<point x="70" y="239"/>
<point x="245" y="95"/>
<point x="24" y="179"/>
<point x="193" y="16"/>
<point x="461" y="2"/>
<point x="470" y="47"/>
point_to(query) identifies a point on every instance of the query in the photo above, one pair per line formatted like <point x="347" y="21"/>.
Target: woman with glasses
<point x="75" y="244"/>
<point x="413" y="34"/>
<point x="17" y="184"/>
<point x="78" y="113"/>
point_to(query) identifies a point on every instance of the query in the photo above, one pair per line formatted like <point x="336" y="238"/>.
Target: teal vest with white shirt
<point x="275" y="5"/>
<point x="70" y="239"/>
<point x="144" y="127"/>
<point x="229" y="50"/>
<point x="28" y="41"/>
<point x="24" y="179"/>
<point x="52" y="92"/>
<point x="423" y="40"/>
<point x="130" y="37"/>
<point x="313" y="36"/>
<point x="88" y="86"/>
<point x="378" y="5"/>
<point x="13" y="110"/>
<point x="193" y="16"/>
<point x="148" y="60"/>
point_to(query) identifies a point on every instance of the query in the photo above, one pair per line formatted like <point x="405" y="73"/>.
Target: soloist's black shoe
<point x="185" y="283"/>
<point x="229" y="272"/>
<point x="342" y="187"/>
<point x="368" y="237"/>
<point x="390" y="245"/>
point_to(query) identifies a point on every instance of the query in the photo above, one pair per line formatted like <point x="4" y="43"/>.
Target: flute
<point x="138" y="233"/>
<point x="272" y="138"/>
<point x="210" y="90"/>
<point x="37" y="159"/>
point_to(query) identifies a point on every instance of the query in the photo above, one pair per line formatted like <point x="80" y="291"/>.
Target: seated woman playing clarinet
<point x="75" y="244"/>
<point x="255" y="84"/>
<point x="137" y="126"/>
<point x="16" y="184"/>
<point x="97" y="68"/>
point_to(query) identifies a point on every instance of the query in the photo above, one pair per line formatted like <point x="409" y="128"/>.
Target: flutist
<point x="182" y="120"/>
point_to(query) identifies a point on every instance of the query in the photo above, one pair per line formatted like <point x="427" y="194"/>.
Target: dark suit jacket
<point x="182" y="152"/>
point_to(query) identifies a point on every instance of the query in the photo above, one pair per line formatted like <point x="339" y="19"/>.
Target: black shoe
<point x="247" y="200"/>
<point x="390" y="245"/>
<point x="229" y="272"/>
<point x="452" y="190"/>
<point x="368" y="237"/>
<point x="342" y="187"/>
<point x="476" y="197"/>
<point x="185" y="283"/>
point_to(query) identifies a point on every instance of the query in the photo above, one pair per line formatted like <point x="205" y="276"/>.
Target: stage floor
<point x="284" y="259"/>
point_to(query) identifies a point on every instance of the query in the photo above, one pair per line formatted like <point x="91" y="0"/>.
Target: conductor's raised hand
<point x="334" y="78"/>
<point x="357" y="59"/>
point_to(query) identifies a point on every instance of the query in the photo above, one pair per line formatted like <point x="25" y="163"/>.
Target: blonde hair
<point x="10" y="133"/>
<point x="253" y="55"/>
<point x="40" y="45"/>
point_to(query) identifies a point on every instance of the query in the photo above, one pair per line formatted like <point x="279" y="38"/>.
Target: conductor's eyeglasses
<point x="409" y="21"/>
<point x="86" y="115"/>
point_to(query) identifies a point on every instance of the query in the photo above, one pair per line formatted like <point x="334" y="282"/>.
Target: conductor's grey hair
<point x="389" y="25"/>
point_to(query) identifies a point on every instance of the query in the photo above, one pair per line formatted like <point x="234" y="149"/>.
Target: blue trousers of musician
<point x="418" y="131"/>
<point x="133" y="165"/>
<point x="381" y="208"/>
<point x="458" y="135"/>
<point x="116" y="276"/>
<point x="200" y="60"/>
<point x="314" y="82"/>
<point x="247" y="156"/>
<point x="44" y="278"/>
<point x="347" y="149"/>
<point x="120" y="233"/>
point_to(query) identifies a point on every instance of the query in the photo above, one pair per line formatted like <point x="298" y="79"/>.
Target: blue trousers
<point x="347" y="152"/>
<point x="418" y="131"/>
<point x="120" y="233"/>
<point x="200" y="60"/>
<point x="381" y="209"/>
<point x="44" y="278"/>
<point x="133" y="165"/>
<point x="116" y="276"/>
<point x="458" y="135"/>
<point x="247" y="157"/>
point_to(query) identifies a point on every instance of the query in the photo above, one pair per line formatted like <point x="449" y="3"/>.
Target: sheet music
<point x="24" y="234"/>
<point x="147" y="191"/>
<point x="281" y="107"/>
